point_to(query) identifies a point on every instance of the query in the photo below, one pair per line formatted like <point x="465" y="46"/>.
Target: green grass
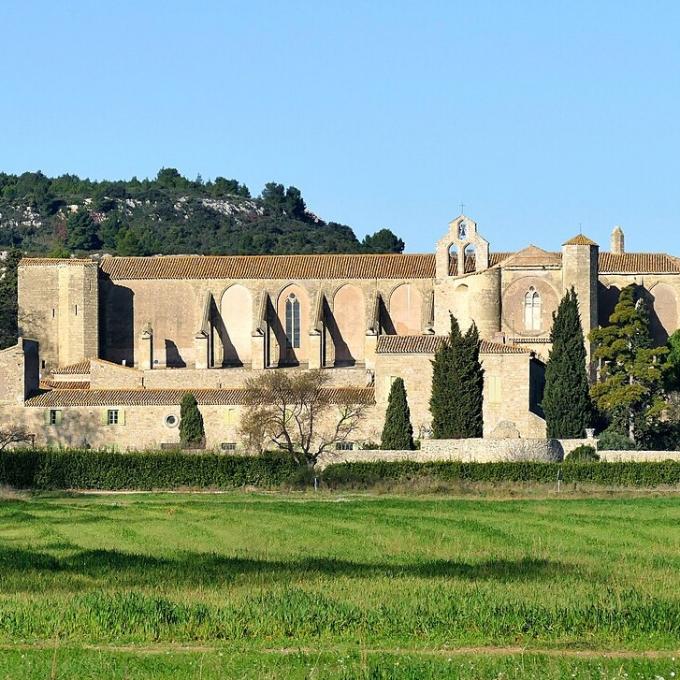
<point x="236" y="585"/>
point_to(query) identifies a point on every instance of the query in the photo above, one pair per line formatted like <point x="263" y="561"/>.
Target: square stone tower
<point x="59" y="307"/>
<point x="580" y="268"/>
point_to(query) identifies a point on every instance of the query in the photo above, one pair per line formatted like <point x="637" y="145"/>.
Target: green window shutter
<point x="103" y="417"/>
<point x="59" y="417"/>
<point x="46" y="415"/>
<point x="121" y="417"/>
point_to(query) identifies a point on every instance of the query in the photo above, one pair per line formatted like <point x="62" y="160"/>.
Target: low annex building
<point x="109" y="348"/>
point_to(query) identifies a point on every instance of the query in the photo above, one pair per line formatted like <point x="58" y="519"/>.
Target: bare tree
<point x="14" y="435"/>
<point x="298" y="413"/>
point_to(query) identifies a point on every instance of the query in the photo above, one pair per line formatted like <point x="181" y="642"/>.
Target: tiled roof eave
<point x="102" y="398"/>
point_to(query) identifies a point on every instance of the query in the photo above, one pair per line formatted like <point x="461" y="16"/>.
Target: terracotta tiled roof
<point x="169" y="397"/>
<point x="270" y="267"/>
<point x="533" y="257"/>
<point x="43" y="261"/>
<point x="580" y="240"/>
<point x="64" y="385"/>
<point x="638" y="263"/>
<point x="428" y="344"/>
<point x="81" y="368"/>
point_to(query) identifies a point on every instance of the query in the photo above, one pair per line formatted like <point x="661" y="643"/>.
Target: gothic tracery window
<point x="293" y="321"/>
<point x="532" y="310"/>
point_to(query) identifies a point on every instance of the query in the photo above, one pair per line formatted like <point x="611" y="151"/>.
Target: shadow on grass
<point x="131" y="569"/>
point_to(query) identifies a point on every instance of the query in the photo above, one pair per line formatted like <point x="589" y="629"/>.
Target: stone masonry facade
<point x="108" y="348"/>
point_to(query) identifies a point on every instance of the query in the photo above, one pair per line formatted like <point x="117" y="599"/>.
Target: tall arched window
<point x="532" y="310"/>
<point x="293" y="321"/>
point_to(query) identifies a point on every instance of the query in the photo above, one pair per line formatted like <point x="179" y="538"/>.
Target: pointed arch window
<point x="532" y="310"/>
<point x="293" y="321"/>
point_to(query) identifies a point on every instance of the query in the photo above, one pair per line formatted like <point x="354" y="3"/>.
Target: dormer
<point x="461" y="240"/>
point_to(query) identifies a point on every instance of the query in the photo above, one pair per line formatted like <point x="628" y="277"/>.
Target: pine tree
<point x="446" y="385"/>
<point x="632" y="371"/>
<point x="397" y="434"/>
<point x="471" y="400"/>
<point x="191" y="430"/>
<point x="82" y="231"/>
<point x="566" y="400"/>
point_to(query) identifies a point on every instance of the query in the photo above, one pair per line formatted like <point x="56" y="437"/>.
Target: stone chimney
<point x="618" y="241"/>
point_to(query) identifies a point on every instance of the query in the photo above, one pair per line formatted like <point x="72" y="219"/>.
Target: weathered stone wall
<point x="663" y="295"/>
<point x="465" y="450"/>
<point x="638" y="456"/>
<point x="142" y="427"/>
<point x="19" y="372"/>
<point x="173" y="308"/>
<point x="506" y="391"/>
<point x="107" y="375"/>
<point x="59" y="307"/>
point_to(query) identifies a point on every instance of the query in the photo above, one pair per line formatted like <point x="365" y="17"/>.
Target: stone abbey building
<point x="108" y="348"/>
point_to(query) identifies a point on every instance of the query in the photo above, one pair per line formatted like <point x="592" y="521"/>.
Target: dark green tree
<point x="128" y="243"/>
<point x="566" y="400"/>
<point x="673" y="374"/>
<point x="472" y="386"/>
<point x="82" y="231"/>
<point x="109" y="230"/>
<point x="445" y="384"/>
<point x="383" y="241"/>
<point x="632" y="372"/>
<point x="457" y="398"/>
<point x="191" y="430"/>
<point x="397" y="434"/>
<point x="8" y="299"/>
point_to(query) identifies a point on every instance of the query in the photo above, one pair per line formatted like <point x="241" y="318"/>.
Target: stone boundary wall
<point x="467" y="451"/>
<point x="638" y="456"/>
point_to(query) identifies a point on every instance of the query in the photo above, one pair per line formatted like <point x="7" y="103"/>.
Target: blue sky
<point x="539" y="116"/>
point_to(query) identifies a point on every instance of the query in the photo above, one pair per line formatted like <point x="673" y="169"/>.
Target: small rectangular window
<point x="495" y="395"/>
<point x="75" y="308"/>
<point x="42" y="363"/>
<point x="344" y="446"/>
<point x="54" y="312"/>
<point x="228" y="446"/>
<point x="112" y="417"/>
<point x="55" y="416"/>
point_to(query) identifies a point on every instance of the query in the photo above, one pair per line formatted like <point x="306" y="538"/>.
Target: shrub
<point x="76" y="469"/>
<point x="365" y="475"/>
<point x="611" y="440"/>
<point x="191" y="430"/>
<point x="582" y="454"/>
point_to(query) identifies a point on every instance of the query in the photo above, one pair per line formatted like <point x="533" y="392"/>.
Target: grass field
<point x="295" y="586"/>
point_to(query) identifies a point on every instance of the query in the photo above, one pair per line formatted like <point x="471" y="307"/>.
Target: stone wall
<point x="466" y="451"/>
<point x="19" y="372"/>
<point x="638" y="456"/>
<point x="59" y="307"/>
<point x="506" y="391"/>
<point x="128" y="306"/>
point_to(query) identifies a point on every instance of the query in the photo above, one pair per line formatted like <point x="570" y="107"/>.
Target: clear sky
<point x="538" y="116"/>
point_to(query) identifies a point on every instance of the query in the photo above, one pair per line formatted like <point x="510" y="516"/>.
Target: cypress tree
<point x="397" y="432"/>
<point x="566" y="400"/>
<point x="446" y="381"/>
<point x="471" y="399"/>
<point x="8" y="300"/>
<point x="191" y="430"/>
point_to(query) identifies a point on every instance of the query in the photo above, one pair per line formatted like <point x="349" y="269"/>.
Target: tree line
<point x="168" y="214"/>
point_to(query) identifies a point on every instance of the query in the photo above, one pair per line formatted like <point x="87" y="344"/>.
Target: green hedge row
<point x="75" y="469"/>
<point x="364" y="475"/>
